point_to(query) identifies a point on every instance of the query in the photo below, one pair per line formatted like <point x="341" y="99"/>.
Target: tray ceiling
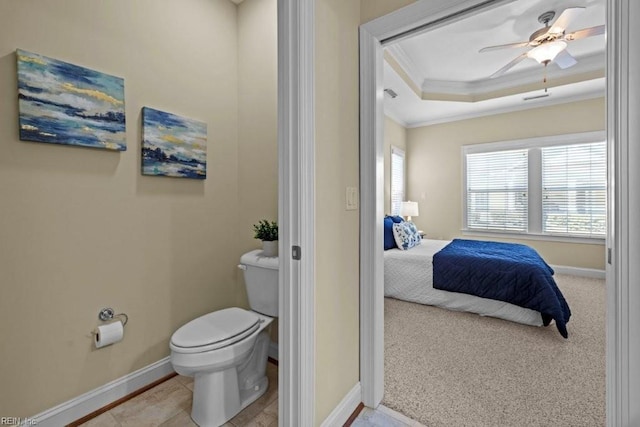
<point x="441" y="76"/>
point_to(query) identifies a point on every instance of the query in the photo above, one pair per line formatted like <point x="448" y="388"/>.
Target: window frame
<point x="402" y="153"/>
<point x="534" y="145"/>
<point x="500" y="194"/>
<point x="557" y="191"/>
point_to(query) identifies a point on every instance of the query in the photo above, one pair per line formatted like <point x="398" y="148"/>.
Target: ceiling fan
<point x="549" y="43"/>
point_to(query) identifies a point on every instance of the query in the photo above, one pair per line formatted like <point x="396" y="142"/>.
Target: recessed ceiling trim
<point x="408" y="66"/>
<point x="524" y="82"/>
<point x="514" y="90"/>
<point x="525" y="105"/>
<point x="389" y="59"/>
<point x="393" y="116"/>
<point x="586" y="66"/>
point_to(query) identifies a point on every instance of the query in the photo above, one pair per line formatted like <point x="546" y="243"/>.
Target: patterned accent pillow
<point x="406" y="235"/>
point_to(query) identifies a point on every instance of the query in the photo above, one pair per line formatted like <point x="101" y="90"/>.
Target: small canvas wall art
<point x="173" y="145"/>
<point x="62" y="103"/>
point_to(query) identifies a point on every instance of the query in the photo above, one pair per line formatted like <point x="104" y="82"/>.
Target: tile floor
<point x="169" y="405"/>
<point x="383" y="417"/>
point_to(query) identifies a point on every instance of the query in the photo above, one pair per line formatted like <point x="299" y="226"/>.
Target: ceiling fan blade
<point x="565" y="60"/>
<point x="507" y="67"/>
<point x="504" y="46"/>
<point x="565" y="19"/>
<point x="585" y="32"/>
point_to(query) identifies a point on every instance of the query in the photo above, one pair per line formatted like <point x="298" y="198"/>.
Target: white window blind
<point x="574" y="189"/>
<point x="497" y="191"/>
<point x="397" y="180"/>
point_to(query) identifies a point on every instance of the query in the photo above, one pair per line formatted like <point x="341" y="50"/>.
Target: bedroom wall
<point x="81" y="228"/>
<point x="435" y="169"/>
<point x="394" y="134"/>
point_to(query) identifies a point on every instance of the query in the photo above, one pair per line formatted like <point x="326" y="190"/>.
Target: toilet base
<point x="247" y="397"/>
<point x="219" y="396"/>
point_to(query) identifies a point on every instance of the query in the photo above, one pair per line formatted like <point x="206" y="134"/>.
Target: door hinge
<point x="296" y="252"/>
<point x="608" y="255"/>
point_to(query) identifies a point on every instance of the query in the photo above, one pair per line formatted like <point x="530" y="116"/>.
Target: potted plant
<point x="268" y="233"/>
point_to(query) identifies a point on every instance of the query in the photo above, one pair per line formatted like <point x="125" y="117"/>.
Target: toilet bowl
<point x="226" y="351"/>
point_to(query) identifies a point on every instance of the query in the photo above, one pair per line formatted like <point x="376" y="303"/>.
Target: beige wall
<point x="337" y="293"/>
<point x="257" y="115"/>
<point x="337" y="160"/>
<point x="394" y="135"/>
<point x="337" y="287"/>
<point x="258" y="124"/>
<point x="81" y="229"/>
<point x="435" y="168"/>
<point x="371" y="9"/>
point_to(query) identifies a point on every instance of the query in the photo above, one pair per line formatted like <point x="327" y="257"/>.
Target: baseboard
<point x="273" y="350"/>
<point x="100" y="397"/>
<point x="577" y="271"/>
<point x="345" y="408"/>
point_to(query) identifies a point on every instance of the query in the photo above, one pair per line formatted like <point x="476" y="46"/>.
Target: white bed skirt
<point x="408" y="276"/>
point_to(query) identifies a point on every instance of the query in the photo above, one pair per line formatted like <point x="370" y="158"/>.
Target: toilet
<point x="226" y="351"/>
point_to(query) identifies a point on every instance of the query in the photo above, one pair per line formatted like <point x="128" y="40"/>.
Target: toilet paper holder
<point x="107" y="314"/>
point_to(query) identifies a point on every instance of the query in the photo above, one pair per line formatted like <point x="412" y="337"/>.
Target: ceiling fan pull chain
<point x="545" y="78"/>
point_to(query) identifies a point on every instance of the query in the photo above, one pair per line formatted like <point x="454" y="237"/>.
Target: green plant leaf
<point x="265" y="230"/>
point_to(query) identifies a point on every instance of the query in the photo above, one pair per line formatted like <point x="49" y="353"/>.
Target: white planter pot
<point x="270" y="248"/>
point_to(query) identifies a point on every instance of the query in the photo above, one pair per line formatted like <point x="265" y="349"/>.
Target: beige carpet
<point x="445" y="368"/>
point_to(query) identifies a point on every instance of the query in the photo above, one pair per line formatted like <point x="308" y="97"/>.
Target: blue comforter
<point x="502" y="271"/>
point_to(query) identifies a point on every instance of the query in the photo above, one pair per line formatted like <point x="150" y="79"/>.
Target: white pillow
<point x="406" y="235"/>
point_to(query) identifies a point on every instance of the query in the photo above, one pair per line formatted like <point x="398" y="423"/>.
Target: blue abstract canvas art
<point x="173" y="145"/>
<point x="62" y="103"/>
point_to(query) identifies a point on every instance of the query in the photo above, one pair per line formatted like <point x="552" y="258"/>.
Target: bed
<point x="408" y="275"/>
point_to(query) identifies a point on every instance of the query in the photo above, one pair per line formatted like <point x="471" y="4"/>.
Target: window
<point x="497" y="191"/>
<point x="574" y="189"/>
<point x="552" y="186"/>
<point x="397" y="179"/>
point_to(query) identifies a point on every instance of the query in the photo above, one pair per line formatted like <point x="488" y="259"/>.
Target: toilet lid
<point x="215" y="330"/>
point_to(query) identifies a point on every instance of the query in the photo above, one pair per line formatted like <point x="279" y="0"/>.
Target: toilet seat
<point x="215" y="330"/>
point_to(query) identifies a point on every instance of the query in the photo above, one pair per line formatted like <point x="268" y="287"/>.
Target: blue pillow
<point x="389" y="240"/>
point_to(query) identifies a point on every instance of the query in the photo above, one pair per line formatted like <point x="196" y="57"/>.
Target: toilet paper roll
<point x="109" y="334"/>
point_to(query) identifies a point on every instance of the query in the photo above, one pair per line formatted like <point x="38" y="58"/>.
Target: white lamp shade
<point x="548" y="51"/>
<point x="409" y="209"/>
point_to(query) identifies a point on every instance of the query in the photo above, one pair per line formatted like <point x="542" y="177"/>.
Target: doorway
<point x="436" y="13"/>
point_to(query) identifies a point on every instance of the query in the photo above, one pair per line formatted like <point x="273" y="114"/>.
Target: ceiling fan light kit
<point x="549" y="44"/>
<point x="547" y="52"/>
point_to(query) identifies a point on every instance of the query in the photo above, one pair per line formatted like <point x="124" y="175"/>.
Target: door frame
<point x="621" y="340"/>
<point x="296" y="212"/>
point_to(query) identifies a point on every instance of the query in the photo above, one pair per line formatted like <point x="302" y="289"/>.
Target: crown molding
<point x="592" y="65"/>
<point x="588" y="68"/>
<point x="525" y="105"/>
<point x="393" y="116"/>
<point x="406" y="63"/>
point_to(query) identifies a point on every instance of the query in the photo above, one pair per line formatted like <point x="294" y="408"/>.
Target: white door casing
<point x="296" y="212"/>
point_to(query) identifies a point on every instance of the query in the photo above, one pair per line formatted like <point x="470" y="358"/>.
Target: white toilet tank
<point x="261" y="280"/>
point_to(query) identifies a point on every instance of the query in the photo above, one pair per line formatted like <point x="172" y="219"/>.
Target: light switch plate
<point x="351" y="199"/>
